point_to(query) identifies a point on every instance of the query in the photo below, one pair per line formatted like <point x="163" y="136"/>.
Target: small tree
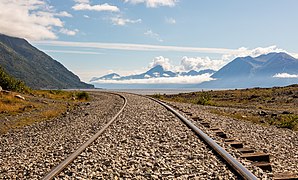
<point x="8" y="82"/>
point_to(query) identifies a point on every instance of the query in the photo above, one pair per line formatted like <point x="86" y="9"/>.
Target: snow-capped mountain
<point x="155" y="72"/>
<point x="106" y="77"/>
<point x="196" y="73"/>
<point x="261" y="71"/>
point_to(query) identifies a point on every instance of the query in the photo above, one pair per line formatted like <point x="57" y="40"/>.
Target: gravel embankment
<point x="281" y="144"/>
<point x="147" y="142"/>
<point x="30" y="152"/>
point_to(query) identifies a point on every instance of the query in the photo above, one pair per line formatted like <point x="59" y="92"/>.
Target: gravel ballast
<point x="30" y="152"/>
<point x="147" y="142"/>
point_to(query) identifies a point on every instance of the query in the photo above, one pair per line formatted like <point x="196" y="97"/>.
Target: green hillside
<point x="38" y="70"/>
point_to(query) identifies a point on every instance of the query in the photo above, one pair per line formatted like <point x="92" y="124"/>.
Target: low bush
<point x="204" y="99"/>
<point x="157" y="96"/>
<point x="288" y="121"/>
<point x="82" y="95"/>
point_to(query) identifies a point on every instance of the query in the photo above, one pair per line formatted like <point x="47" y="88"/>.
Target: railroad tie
<point x="188" y="113"/>
<point x="285" y="176"/>
<point x="229" y="140"/>
<point x="220" y="133"/>
<point x="205" y="124"/>
<point x="196" y="118"/>
<point x="263" y="165"/>
<point x="236" y="144"/>
<point x="257" y="156"/>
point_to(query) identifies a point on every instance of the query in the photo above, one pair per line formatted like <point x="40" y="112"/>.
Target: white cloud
<point x="160" y="60"/>
<point x="154" y="3"/>
<point x="170" y="20"/>
<point x="139" y="47"/>
<point x="72" y="52"/>
<point x="82" y="1"/>
<point x="153" y="35"/>
<point x="227" y="54"/>
<point x="86" y="16"/>
<point x="163" y="80"/>
<point x="200" y="63"/>
<point x="69" y="32"/>
<point x="188" y="63"/>
<point x="242" y="52"/>
<point x="31" y="19"/>
<point x="85" y="5"/>
<point x="122" y="21"/>
<point x="259" y="51"/>
<point x="285" y="75"/>
<point x="295" y="55"/>
<point x="63" y="14"/>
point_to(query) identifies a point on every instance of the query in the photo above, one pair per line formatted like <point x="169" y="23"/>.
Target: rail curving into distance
<point x="75" y="154"/>
<point x="237" y="166"/>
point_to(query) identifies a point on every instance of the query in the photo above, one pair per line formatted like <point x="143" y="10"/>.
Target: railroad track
<point x="259" y="159"/>
<point x="75" y="154"/>
<point x="233" y="163"/>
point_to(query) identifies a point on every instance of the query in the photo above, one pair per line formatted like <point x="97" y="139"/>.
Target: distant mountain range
<point x="261" y="71"/>
<point x="155" y="72"/>
<point x="242" y="72"/>
<point x="38" y="70"/>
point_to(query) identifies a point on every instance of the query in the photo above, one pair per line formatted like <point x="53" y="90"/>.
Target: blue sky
<point x="113" y="36"/>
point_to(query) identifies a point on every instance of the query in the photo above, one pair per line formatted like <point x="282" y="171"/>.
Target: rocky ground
<point x="281" y="144"/>
<point x="30" y="152"/>
<point x="145" y="142"/>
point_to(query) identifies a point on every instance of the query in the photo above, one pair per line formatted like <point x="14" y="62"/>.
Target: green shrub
<point x="288" y="121"/>
<point x="204" y="99"/>
<point x="82" y="95"/>
<point x="56" y="92"/>
<point x="8" y="82"/>
<point x="157" y="96"/>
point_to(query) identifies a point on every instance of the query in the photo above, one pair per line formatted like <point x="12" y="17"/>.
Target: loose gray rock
<point x="31" y="152"/>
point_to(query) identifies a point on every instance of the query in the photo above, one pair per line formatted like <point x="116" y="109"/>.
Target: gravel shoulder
<point x="30" y="152"/>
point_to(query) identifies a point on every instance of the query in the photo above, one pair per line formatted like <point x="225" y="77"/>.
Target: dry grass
<point x="37" y="107"/>
<point x="54" y="94"/>
<point x="52" y="112"/>
<point x="9" y="104"/>
<point x="274" y="100"/>
<point x="237" y="115"/>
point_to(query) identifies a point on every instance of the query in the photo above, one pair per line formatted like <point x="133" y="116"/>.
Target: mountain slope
<point x="255" y="72"/>
<point x="34" y="67"/>
<point x="279" y="63"/>
<point x="240" y="67"/>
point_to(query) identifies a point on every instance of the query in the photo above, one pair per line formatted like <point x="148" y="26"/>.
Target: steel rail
<point x="75" y="154"/>
<point x="237" y="166"/>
